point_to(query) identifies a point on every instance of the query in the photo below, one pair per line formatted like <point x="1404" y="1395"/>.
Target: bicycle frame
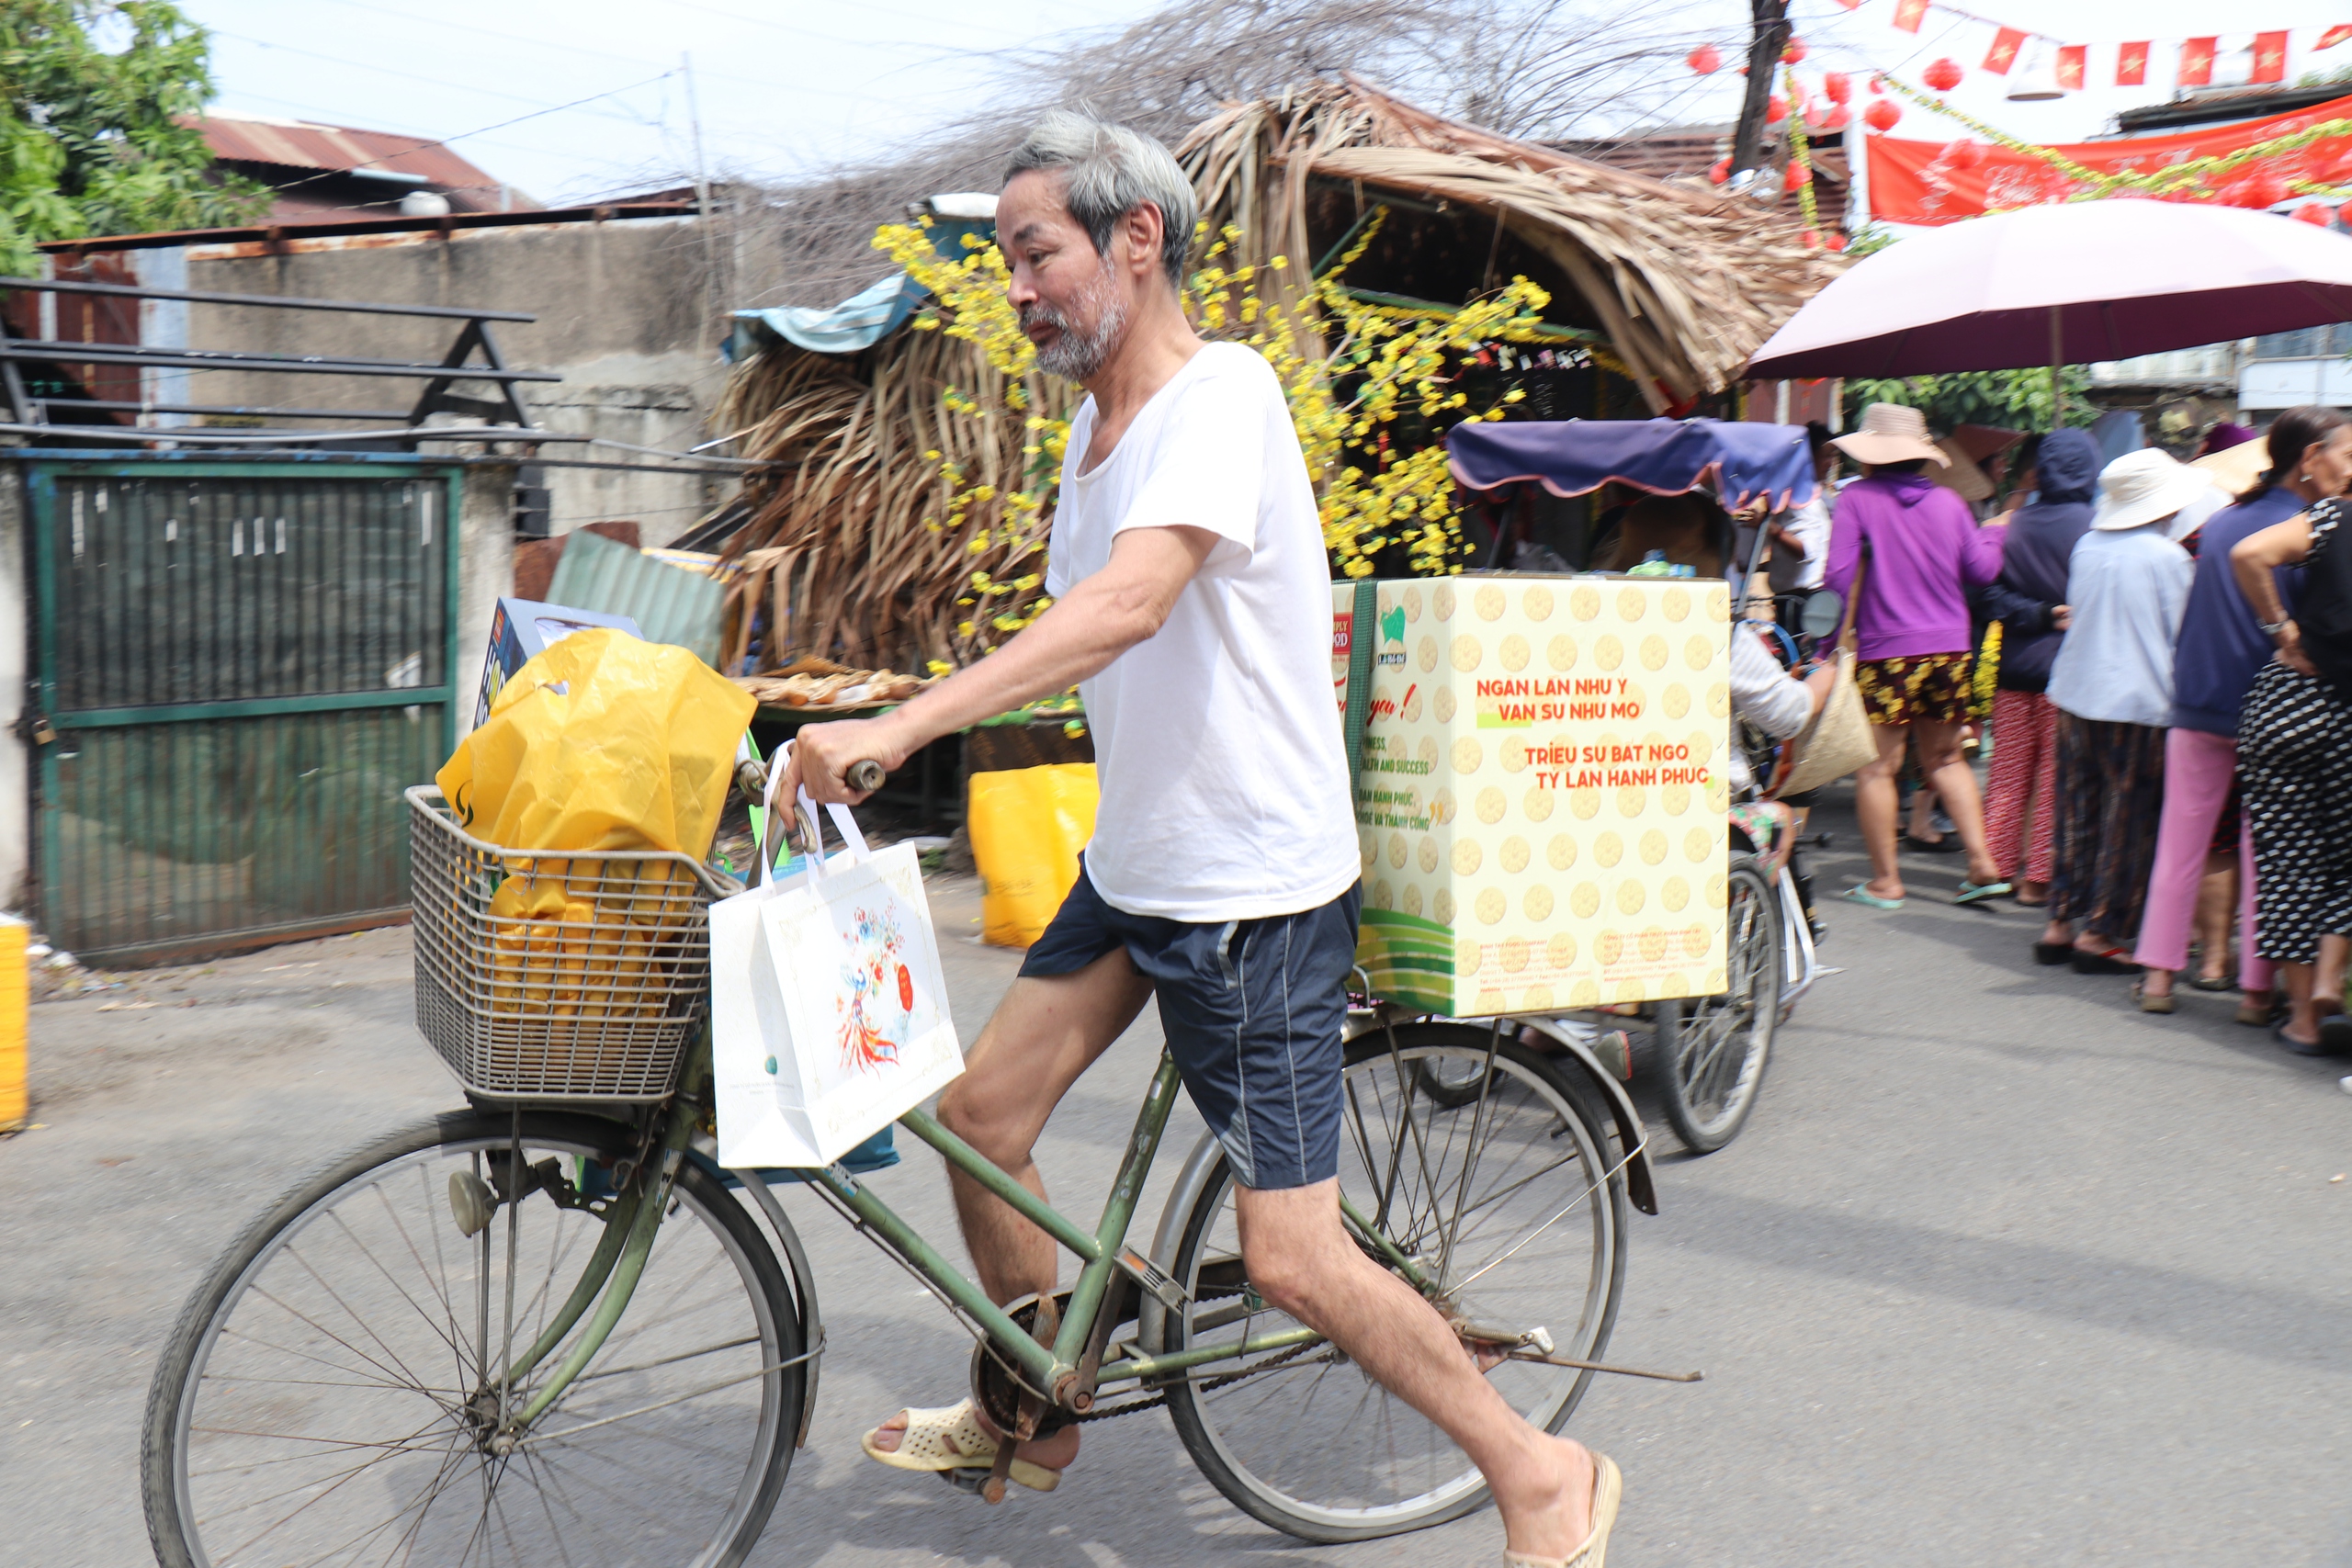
<point x="1058" y="1373"/>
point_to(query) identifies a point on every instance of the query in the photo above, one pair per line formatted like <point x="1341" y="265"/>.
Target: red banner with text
<point x="1943" y="182"/>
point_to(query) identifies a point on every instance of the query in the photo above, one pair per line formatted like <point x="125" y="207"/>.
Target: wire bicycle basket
<point x="560" y="975"/>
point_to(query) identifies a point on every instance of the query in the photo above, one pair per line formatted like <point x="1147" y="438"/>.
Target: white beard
<point x="1075" y="355"/>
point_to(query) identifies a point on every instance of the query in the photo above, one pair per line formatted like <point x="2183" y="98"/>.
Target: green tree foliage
<point x="2014" y="400"/>
<point x="89" y="140"/>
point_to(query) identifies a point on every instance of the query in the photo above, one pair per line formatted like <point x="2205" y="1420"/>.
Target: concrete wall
<point x="621" y="309"/>
<point x="485" y="572"/>
<point x="15" y="668"/>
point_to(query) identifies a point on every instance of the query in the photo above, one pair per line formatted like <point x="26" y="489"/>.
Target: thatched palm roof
<point x="1683" y="284"/>
<point x="1686" y="283"/>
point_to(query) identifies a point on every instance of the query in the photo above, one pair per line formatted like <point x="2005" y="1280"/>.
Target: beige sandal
<point x="1608" y="1487"/>
<point x="951" y="1437"/>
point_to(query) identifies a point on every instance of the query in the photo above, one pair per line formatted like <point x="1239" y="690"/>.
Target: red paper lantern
<point x="1776" y="109"/>
<point x="1836" y="118"/>
<point x="1878" y="85"/>
<point x="1793" y="51"/>
<point x="1836" y="86"/>
<point x="1797" y="177"/>
<point x="1720" y="173"/>
<point x="1881" y="115"/>
<point x="2313" y="213"/>
<point x="1705" y="60"/>
<point x="1835" y="242"/>
<point x="1943" y="76"/>
<point x="2260" y="190"/>
<point x="1963" y="153"/>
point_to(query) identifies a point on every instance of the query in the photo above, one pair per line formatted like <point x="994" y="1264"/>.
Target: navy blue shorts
<point x="1254" y="1011"/>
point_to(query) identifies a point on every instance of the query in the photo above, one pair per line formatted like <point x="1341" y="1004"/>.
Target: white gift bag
<point x="829" y="1009"/>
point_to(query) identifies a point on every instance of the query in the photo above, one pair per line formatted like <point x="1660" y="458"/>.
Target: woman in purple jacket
<point x="1917" y="552"/>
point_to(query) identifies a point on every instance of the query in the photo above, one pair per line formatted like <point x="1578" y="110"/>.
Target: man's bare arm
<point x="1125" y="603"/>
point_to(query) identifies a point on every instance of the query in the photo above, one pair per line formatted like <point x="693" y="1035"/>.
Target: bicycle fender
<point x="1631" y="1133"/>
<point x="1151" y="1317"/>
<point x="804" y="1284"/>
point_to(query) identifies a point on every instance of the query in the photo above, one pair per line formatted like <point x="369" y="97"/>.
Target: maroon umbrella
<point x="2066" y="284"/>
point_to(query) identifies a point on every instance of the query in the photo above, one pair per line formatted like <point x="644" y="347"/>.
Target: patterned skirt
<point x="2110" y="795"/>
<point x="2295" y="771"/>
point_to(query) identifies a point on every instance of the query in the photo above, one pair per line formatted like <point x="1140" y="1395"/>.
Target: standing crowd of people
<point x="2163" y="677"/>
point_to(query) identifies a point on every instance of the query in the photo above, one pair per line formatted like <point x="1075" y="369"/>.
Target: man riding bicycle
<point x="1191" y="606"/>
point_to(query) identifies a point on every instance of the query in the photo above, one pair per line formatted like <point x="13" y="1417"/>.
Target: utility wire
<point x="411" y="76"/>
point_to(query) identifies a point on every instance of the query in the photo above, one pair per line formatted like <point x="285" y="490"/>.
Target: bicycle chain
<point x="1156" y="1400"/>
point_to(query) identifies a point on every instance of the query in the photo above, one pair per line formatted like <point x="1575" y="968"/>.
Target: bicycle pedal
<point x="966" y="1479"/>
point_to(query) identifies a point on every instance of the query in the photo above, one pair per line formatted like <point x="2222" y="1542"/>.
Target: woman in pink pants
<point x="2220" y="650"/>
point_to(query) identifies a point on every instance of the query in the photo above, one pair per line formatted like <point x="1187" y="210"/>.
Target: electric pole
<point x="1769" y="38"/>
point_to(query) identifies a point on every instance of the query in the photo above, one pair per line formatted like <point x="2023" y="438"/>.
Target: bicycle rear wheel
<point x="330" y="1392"/>
<point x="1513" y="1202"/>
<point x="1714" y="1049"/>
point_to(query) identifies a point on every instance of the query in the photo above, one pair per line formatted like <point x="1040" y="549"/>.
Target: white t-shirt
<point x="1790" y="572"/>
<point x="1223" y="772"/>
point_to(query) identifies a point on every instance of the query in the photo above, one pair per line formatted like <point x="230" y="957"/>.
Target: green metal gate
<point x="243" y="664"/>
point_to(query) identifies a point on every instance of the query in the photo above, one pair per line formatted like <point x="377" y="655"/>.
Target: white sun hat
<point x="2139" y="487"/>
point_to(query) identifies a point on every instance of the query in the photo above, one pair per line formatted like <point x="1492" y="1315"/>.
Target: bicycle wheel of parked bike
<point x="331" y="1394"/>
<point x="1512" y="1204"/>
<point x="1712" y="1050"/>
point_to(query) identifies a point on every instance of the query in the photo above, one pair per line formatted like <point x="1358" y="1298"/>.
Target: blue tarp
<point x="1665" y="456"/>
<point x="859" y="321"/>
<point x="868" y="317"/>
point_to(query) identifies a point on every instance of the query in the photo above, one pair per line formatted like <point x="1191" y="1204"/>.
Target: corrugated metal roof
<point x="669" y="604"/>
<point x="303" y="144"/>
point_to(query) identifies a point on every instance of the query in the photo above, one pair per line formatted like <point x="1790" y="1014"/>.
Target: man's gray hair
<point x="1109" y="172"/>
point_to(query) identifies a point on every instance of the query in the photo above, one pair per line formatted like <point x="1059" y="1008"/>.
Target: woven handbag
<point x="1837" y="740"/>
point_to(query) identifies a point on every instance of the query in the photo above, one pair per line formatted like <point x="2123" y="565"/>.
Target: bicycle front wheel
<point x="331" y="1393"/>
<point x="1511" y="1203"/>
<point x="1715" y="1049"/>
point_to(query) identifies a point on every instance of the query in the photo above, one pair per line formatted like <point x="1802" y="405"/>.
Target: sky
<point x="572" y="99"/>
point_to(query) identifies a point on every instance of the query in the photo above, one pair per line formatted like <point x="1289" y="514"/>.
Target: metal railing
<point x="31" y="413"/>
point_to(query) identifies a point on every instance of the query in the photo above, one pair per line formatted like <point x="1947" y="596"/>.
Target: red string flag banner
<point x="2131" y="65"/>
<point x="2334" y="35"/>
<point x="2269" y="58"/>
<point x="2004" y="52"/>
<point x="2197" y="62"/>
<point x="2071" y="66"/>
<point x="1909" y="14"/>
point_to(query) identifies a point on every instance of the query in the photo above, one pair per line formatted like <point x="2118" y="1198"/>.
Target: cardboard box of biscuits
<point x="1542" y="790"/>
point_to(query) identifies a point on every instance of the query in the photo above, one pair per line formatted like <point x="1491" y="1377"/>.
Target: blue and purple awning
<point x="1665" y="456"/>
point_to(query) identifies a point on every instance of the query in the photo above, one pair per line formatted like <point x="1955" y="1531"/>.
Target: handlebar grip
<point x="866" y="777"/>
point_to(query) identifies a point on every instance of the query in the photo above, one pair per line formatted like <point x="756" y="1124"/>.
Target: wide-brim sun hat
<point x="1961" y="475"/>
<point x="2236" y="468"/>
<point x="1891" y="433"/>
<point x="2140" y="487"/>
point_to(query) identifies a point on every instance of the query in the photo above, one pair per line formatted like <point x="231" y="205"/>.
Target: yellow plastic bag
<point x="603" y="743"/>
<point x="1027" y="825"/>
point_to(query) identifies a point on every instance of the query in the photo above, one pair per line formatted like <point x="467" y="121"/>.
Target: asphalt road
<point x="2001" y="1270"/>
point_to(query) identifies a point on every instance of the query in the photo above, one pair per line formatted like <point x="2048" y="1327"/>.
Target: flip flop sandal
<point x="2299" y="1047"/>
<point x="1861" y="894"/>
<point x="2147" y="1003"/>
<point x="2053" y="951"/>
<point x="1608" y="1489"/>
<point x="2114" y="961"/>
<point x="1931" y="846"/>
<point x="1977" y="892"/>
<point x="951" y="1437"/>
<point x="2221" y="983"/>
<point x="2256" y="1014"/>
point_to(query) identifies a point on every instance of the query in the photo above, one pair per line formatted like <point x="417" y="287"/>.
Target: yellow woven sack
<point x="1028" y="825"/>
<point x="603" y="743"/>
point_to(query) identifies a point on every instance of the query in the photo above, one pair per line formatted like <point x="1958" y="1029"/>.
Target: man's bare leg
<point x="1042" y="1035"/>
<point x="1301" y="1259"/>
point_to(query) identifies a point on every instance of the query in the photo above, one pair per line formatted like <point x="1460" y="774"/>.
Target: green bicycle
<point x="548" y="1329"/>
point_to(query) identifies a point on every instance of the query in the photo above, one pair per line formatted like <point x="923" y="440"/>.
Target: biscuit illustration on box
<point x="1496" y="701"/>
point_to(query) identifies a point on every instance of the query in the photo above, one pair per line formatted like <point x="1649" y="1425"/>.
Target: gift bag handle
<point x="805" y="812"/>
